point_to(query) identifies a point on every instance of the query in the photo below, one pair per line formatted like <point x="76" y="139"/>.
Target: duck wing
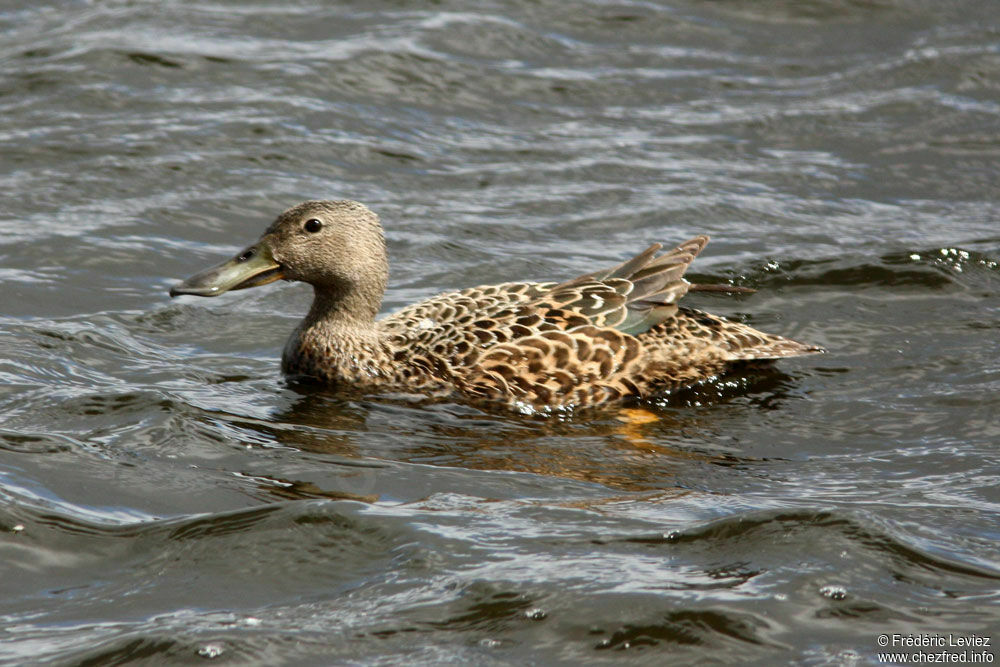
<point x="633" y="296"/>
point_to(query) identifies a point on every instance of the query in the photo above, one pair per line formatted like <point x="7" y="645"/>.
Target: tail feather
<point x="775" y="347"/>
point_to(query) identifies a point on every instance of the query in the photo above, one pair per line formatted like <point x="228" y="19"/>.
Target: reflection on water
<point x="630" y="448"/>
<point x="165" y="494"/>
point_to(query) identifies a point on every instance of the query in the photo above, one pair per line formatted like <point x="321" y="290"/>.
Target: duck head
<point x="336" y="246"/>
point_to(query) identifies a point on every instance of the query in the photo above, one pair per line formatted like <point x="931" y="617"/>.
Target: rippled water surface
<point x="165" y="496"/>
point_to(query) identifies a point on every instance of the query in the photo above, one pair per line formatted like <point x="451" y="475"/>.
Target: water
<point x="166" y="497"/>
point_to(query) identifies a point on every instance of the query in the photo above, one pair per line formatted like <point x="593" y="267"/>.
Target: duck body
<point x="599" y="338"/>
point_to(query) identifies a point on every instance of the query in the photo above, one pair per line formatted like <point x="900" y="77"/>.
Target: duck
<point x="599" y="338"/>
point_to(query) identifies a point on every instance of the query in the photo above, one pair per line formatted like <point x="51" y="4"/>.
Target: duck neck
<point x="341" y="310"/>
<point x="338" y="340"/>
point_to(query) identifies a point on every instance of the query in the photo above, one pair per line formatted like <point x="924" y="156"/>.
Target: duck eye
<point x="313" y="225"/>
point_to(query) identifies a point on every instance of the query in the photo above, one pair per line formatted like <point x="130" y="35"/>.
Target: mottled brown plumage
<point x="597" y="338"/>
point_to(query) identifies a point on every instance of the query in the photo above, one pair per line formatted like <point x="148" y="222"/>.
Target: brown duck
<point x="604" y="336"/>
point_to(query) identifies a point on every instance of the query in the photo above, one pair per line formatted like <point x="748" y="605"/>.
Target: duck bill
<point x="253" y="267"/>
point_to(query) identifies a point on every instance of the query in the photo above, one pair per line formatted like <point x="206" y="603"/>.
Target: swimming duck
<point x="601" y="337"/>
